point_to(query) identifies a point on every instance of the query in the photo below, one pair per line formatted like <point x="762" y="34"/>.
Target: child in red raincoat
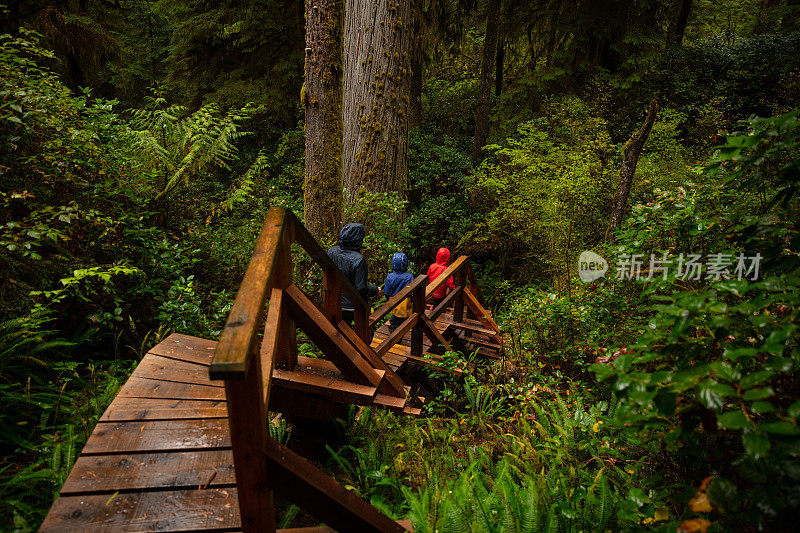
<point x="434" y="271"/>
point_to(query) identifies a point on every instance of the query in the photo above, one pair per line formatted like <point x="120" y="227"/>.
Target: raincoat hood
<point x="443" y="256"/>
<point x="399" y="262"/>
<point x="352" y="236"/>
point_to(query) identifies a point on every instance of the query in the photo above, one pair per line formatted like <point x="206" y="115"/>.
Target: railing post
<point x="362" y="324"/>
<point x="458" y="301"/>
<point x="247" y="420"/>
<point x="286" y="356"/>
<point x="418" y="308"/>
<point x="332" y="296"/>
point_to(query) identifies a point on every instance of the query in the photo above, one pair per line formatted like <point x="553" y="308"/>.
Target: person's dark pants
<point x="395" y="321"/>
<point x="435" y="302"/>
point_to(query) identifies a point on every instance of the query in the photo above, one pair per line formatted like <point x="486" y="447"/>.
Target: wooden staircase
<point x="184" y="446"/>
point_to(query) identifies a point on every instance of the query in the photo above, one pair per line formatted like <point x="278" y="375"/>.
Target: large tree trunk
<point x="417" y="68"/>
<point x="630" y="156"/>
<point x="377" y="86"/>
<point x="683" y="19"/>
<point x="487" y="71"/>
<point x="323" y="109"/>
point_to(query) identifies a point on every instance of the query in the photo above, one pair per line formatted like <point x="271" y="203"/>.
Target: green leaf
<point x="758" y="394"/>
<point x="725" y="370"/>
<point x="712" y="394"/>
<point x="722" y="493"/>
<point x="779" y="427"/>
<point x="755" y="378"/>
<point x="762" y="407"/>
<point x="733" y="420"/>
<point x="637" y="496"/>
<point x="794" y="409"/>
<point x="755" y="444"/>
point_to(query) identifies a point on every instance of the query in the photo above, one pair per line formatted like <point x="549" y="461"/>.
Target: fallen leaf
<point x="699" y="503"/>
<point x="694" y="525"/>
<point x="112" y="497"/>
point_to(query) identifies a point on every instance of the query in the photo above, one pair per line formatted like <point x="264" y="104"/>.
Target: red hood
<point x="443" y="256"/>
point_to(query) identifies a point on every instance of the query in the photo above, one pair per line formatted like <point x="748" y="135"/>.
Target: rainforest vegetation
<point x="143" y="141"/>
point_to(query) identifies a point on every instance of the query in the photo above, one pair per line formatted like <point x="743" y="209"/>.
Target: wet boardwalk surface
<point x="160" y="458"/>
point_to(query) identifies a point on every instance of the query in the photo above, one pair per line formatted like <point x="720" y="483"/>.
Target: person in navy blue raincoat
<point x="347" y="256"/>
<point x="397" y="279"/>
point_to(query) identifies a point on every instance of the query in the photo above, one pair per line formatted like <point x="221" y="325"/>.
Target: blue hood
<point x="399" y="262"/>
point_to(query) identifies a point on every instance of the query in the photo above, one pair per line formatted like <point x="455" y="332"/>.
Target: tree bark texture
<point x="377" y="85"/>
<point x="323" y="117"/>
<point x="630" y="156"/>
<point x="487" y="73"/>
<point x="683" y="19"/>
<point x="417" y="68"/>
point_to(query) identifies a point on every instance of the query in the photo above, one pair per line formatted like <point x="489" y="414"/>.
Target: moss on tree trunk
<point x="377" y="87"/>
<point x="322" y="98"/>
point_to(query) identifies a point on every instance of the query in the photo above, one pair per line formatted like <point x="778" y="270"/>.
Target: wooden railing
<point x="245" y="362"/>
<point x="466" y="294"/>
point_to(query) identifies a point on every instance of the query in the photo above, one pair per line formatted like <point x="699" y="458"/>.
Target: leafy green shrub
<point x="387" y="233"/>
<point x="722" y="355"/>
<point x="184" y="312"/>
<point x="49" y="404"/>
<point x="438" y="211"/>
<point x="714" y="83"/>
<point x="544" y="194"/>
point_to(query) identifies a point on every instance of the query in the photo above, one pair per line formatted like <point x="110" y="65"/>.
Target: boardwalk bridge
<point x="185" y="444"/>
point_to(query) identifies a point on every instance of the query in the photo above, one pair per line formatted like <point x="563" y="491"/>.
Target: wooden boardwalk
<point x="184" y="446"/>
<point x="160" y="459"/>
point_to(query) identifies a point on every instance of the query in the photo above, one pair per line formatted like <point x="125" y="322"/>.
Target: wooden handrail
<point x="232" y="356"/>
<point x="246" y="367"/>
<point x="281" y="227"/>
<point x="395" y="300"/>
<point x="444" y="276"/>
<point x="445" y="303"/>
<point x="313" y="249"/>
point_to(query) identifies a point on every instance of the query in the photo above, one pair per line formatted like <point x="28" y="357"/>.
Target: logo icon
<point x="591" y="266"/>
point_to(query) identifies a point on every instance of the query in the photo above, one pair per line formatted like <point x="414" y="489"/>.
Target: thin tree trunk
<point x="498" y="68"/>
<point x="630" y="156"/>
<point x="487" y="70"/>
<point x="377" y="87"/>
<point x="683" y="19"/>
<point x="323" y="117"/>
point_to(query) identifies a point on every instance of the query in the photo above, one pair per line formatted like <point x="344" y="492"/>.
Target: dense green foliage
<point x="138" y="157"/>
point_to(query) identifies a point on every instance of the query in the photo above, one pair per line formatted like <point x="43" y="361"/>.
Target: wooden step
<point x="390" y="402"/>
<point x="480" y="342"/>
<point x="311" y="379"/>
<point x="472" y="327"/>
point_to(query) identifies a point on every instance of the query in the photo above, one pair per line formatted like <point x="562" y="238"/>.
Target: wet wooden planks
<point x="160" y="458"/>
